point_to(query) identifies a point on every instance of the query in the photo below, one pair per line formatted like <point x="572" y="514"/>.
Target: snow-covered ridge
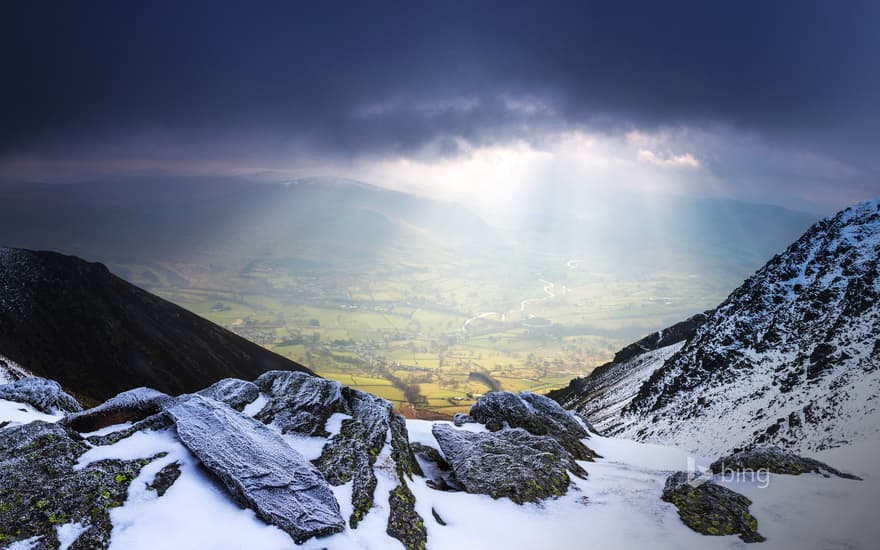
<point x="169" y="498"/>
<point x="790" y="358"/>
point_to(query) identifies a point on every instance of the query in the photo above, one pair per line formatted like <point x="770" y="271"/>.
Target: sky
<point x="772" y="102"/>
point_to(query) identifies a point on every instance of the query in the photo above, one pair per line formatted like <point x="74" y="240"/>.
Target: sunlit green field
<point x="432" y="336"/>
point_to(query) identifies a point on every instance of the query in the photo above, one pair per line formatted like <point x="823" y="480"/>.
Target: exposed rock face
<point x="711" y="509"/>
<point x="257" y="467"/>
<point x="76" y="323"/>
<point x="404" y="523"/>
<point x="302" y="404"/>
<point x="601" y="396"/>
<point x="790" y="358"/>
<point x="165" y="478"/>
<point x="508" y="463"/>
<point x="298" y="402"/>
<point x="39" y="489"/>
<point x="158" y="421"/>
<point x="44" y="395"/>
<point x="232" y="391"/>
<point x="777" y="461"/>
<point x="438" y="472"/>
<point x="128" y="406"/>
<point x="537" y="414"/>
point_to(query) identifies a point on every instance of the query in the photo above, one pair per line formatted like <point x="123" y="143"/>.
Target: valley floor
<point x="618" y="506"/>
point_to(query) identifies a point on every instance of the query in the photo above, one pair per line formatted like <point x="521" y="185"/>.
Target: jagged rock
<point x="165" y="478"/>
<point x="232" y="391"/>
<point x="711" y="509"/>
<point x="800" y="334"/>
<point x="40" y="490"/>
<point x="299" y="402"/>
<point x="128" y="406"/>
<point x="436" y="469"/>
<point x="158" y="421"/>
<point x="431" y="455"/>
<point x="346" y="458"/>
<point x="775" y="460"/>
<point x="537" y="414"/>
<point x="404" y="523"/>
<point x="401" y="449"/>
<point x="460" y="419"/>
<point x="509" y="463"/>
<point x="258" y="468"/>
<point x="42" y="394"/>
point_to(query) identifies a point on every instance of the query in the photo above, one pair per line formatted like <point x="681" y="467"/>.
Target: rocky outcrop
<point x="537" y="414"/>
<point x="128" y="406"/>
<point x="789" y="359"/>
<point x="158" y="421"/>
<point x="232" y="391"/>
<point x="711" y="509"/>
<point x="298" y="402"/>
<point x="40" y="490"/>
<point x="302" y="404"/>
<point x="510" y="463"/>
<point x="609" y="388"/>
<point x="165" y="478"/>
<point x="257" y="467"/>
<point x="44" y="395"/>
<point x="776" y="461"/>
<point x="438" y="472"/>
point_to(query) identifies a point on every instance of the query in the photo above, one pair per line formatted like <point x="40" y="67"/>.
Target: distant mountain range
<point x="791" y="358"/>
<point x="224" y="219"/>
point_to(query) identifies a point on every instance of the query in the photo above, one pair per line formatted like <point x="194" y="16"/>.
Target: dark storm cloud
<point x="347" y="79"/>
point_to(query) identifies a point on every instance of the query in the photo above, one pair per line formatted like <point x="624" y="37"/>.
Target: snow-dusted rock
<point x="128" y="406"/>
<point x="711" y="509"/>
<point x="299" y="402"/>
<point x="258" y="468"/>
<point x="775" y="460"/>
<point x="40" y="489"/>
<point x="42" y="394"/>
<point x="508" y="463"/>
<point x="537" y="414"/>
<point x="232" y="391"/>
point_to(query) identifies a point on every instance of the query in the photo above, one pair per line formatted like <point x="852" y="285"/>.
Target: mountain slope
<point x="75" y="322"/>
<point x="790" y="358"/>
<point x="603" y="394"/>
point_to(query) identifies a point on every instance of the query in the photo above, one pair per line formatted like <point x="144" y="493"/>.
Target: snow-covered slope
<point x="617" y="507"/>
<point x="602" y="397"/>
<point x="790" y="358"/>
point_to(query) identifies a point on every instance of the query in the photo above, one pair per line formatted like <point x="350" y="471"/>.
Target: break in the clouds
<point x="740" y="98"/>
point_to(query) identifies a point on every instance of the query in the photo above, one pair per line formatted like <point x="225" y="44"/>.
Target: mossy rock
<point x="711" y="509"/>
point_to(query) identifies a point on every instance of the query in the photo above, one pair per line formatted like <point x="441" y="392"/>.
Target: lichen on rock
<point x="711" y="509"/>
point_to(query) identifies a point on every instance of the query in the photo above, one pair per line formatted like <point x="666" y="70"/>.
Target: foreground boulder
<point x="44" y="395"/>
<point x="775" y="460"/>
<point x="537" y="414"/>
<point x="40" y="490"/>
<point x="257" y="467"/>
<point x="711" y="509"/>
<point x="128" y="406"/>
<point x="509" y="463"/>
<point x="299" y="403"/>
<point x="232" y="391"/>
